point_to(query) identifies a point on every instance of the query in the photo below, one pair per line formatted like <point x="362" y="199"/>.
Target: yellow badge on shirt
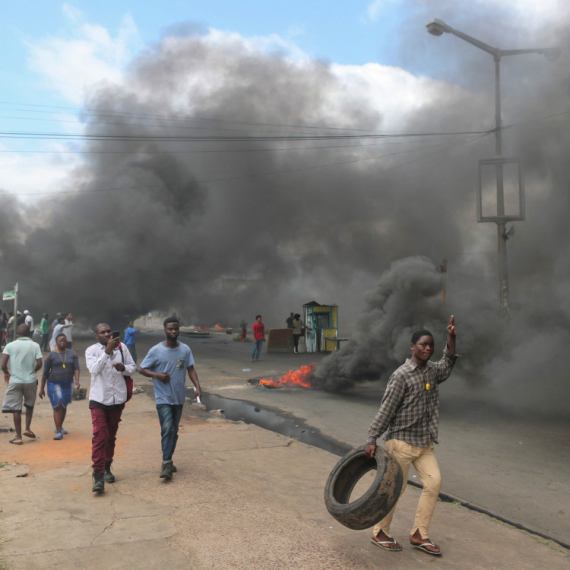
<point x="427" y="386"/>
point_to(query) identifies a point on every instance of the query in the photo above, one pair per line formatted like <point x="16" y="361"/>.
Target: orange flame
<point x="220" y="327"/>
<point x="292" y="378"/>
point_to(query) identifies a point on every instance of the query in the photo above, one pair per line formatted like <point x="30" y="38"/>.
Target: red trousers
<point x="105" y="426"/>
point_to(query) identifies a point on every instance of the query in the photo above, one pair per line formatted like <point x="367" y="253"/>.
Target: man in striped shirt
<point x="409" y="414"/>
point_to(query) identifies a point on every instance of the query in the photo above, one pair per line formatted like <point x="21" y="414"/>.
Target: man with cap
<point x="29" y="320"/>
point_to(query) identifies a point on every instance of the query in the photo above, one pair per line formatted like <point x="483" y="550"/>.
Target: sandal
<point x="16" y="442"/>
<point x="381" y="543"/>
<point x="30" y="434"/>
<point x="424" y="546"/>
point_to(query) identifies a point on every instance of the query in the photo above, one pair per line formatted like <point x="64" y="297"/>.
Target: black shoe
<point x="108" y="477"/>
<point x="166" y="472"/>
<point x="173" y="468"/>
<point x="98" y="482"/>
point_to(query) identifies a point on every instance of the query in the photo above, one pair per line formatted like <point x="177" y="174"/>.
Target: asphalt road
<point x="515" y="466"/>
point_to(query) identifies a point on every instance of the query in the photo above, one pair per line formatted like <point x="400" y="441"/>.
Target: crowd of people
<point x="408" y="415"/>
<point x="110" y="363"/>
<point x="47" y="330"/>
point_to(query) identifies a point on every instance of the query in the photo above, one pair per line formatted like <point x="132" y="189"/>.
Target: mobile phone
<point x="116" y="334"/>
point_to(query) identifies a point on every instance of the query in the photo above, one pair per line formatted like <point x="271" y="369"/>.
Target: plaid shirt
<point x="410" y="406"/>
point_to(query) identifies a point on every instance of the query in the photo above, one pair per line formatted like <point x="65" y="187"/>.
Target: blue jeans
<point x="169" y="417"/>
<point x="133" y="350"/>
<point x="257" y="344"/>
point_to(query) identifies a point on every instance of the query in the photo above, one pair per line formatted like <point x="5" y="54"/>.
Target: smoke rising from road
<point x="265" y="226"/>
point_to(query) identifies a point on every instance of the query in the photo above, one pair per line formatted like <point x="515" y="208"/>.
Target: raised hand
<point x="451" y="330"/>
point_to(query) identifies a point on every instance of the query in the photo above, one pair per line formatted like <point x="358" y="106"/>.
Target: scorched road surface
<point x="516" y="466"/>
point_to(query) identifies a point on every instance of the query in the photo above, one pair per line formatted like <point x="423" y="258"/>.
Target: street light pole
<point x="501" y="226"/>
<point x="436" y="27"/>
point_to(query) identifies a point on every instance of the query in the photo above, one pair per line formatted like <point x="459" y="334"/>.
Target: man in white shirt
<point x="29" y="320"/>
<point x="108" y="364"/>
<point x="59" y="328"/>
<point x="68" y="330"/>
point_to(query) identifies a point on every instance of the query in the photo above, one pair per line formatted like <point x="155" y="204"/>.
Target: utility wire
<point x="164" y="138"/>
<point x="218" y="151"/>
<point x="103" y="112"/>
<point x="205" y="182"/>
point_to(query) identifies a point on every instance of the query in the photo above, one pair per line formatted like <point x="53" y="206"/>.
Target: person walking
<point x="57" y="330"/>
<point x="409" y="414"/>
<point x="289" y="321"/>
<point x="130" y="339"/>
<point x="29" y="320"/>
<point x="298" y="327"/>
<point x="55" y="321"/>
<point x="10" y="327"/>
<point x="109" y="363"/>
<point x="3" y="325"/>
<point x="68" y="331"/>
<point x="258" y="338"/>
<point x="44" y="329"/>
<point x="61" y="368"/>
<point x="167" y="364"/>
<point x="25" y="359"/>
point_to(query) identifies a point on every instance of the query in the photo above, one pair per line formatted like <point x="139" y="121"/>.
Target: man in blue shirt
<point x="166" y="363"/>
<point x="130" y="339"/>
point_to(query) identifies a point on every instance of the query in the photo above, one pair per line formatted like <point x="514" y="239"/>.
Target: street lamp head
<point x="436" y="27"/>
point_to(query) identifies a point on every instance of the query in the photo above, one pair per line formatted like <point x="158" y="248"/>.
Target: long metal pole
<point x="501" y="226"/>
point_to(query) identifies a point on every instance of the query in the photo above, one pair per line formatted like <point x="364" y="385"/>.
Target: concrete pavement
<point x="243" y="498"/>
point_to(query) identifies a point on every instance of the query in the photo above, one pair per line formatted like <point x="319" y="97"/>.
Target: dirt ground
<point x="243" y="498"/>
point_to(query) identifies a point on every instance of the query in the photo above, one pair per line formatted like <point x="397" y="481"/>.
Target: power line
<point x="103" y="112"/>
<point x="165" y="138"/>
<point x="216" y="151"/>
<point x="205" y="182"/>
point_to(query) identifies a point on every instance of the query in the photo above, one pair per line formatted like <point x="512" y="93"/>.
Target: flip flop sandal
<point x="423" y="545"/>
<point x="381" y="543"/>
<point x="14" y="442"/>
<point x="31" y="435"/>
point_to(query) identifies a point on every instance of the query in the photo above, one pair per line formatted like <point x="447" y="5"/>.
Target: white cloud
<point x="392" y="91"/>
<point x="27" y="175"/>
<point x="375" y="8"/>
<point x="532" y="10"/>
<point x="90" y="56"/>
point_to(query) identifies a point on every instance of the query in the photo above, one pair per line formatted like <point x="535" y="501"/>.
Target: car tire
<point x="380" y="498"/>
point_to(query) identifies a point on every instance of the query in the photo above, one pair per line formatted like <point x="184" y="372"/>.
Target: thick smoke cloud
<point x="518" y="362"/>
<point x="259" y="227"/>
<point x="409" y="297"/>
<point x="263" y="227"/>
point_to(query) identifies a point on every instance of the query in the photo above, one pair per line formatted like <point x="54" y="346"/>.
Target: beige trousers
<point x="425" y="463"/>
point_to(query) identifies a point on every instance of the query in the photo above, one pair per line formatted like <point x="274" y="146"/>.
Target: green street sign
<point x="8" y="295"/>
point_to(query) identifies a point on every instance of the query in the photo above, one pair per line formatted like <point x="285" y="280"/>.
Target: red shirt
<point x="258" y="331"/>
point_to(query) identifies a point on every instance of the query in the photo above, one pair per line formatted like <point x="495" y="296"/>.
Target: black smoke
<point x="263" y="227"/>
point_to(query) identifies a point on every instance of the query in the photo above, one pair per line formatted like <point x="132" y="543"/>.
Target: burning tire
<point x="377" y="502"/>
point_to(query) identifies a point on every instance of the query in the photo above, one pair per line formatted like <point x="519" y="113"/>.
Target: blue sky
<point x="38" y="40"/>
<point x="336" y="31"/>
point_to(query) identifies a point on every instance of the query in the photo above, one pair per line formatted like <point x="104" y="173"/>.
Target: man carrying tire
<point x="409" y="414"/>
